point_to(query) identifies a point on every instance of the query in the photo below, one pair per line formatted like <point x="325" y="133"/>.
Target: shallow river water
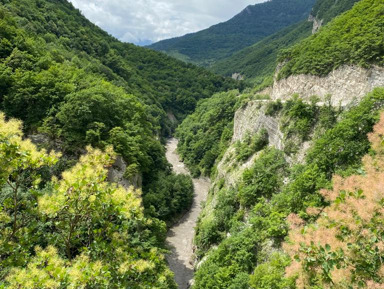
<point x="180" y="236"/>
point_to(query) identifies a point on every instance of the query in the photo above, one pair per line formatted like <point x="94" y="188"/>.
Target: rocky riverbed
<point x="180" y="236"/>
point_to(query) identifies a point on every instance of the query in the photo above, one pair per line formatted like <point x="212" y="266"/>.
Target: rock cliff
<point x="317" y="23"/>
<point x="346" y="85"/>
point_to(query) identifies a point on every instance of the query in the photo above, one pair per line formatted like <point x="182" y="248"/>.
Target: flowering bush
<point x="344" y="248"/>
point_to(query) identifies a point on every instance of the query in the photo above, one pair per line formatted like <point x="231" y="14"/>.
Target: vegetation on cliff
<point x="344" y="247"/>
<point x="247" y="222"/>
<point x="356" y="37"/>
<point x="259" y="61"/>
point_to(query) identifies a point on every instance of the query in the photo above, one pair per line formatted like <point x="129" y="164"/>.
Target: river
<point x="180" y="236"/>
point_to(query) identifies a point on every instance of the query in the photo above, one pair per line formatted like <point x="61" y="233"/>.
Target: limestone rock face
<point x="317" y="23"/>
<point x="237" y="76"/>
<point x="346" y="85"/>
<point x="251" y="119"/>
<point x="116" y="175"/>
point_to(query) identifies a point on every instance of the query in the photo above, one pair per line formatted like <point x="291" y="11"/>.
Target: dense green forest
<point x="69" y="80"/>
<point x="258" y="62"/>
<point x="248" y="27"/>
<point x="73" y="85"/>
<point x="163" y="83"/>
<point x="356" y="37"/>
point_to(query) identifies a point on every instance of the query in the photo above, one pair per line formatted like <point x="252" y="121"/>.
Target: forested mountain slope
<point x="353" y="38"/>
<point x="259" y="61"/>
<point x="248" y="27"/>
<point x="66" y="78"/>
<point x="276" y="215"/>
<point x="160" y="81"/>
<point x="62" y="224"/>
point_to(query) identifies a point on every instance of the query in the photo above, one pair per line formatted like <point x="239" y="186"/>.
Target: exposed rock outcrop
<point x="116" y="175"/>
<point x="346" y="85"/>
<point x="317" y="23"/>
<point x="237" y="76"/>
<point x="249" y="119"/>
<point x="252" y="118"/>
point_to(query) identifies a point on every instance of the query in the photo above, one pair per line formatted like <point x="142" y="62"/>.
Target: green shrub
<point x="273" y="107"/>
<point x="270" y="275"/>
<point x="264" y="178"/>
<point x="251" y="145"/>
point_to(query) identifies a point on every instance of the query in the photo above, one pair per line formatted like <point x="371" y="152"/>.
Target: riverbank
<point x="180" y="236"/>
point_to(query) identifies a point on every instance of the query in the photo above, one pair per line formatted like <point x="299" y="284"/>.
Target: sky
<point x="144" y="21"/>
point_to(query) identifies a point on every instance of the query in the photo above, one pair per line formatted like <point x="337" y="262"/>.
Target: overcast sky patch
<point x="145" y="21"/>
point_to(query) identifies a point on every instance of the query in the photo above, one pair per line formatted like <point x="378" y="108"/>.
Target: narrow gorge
<point x="180" y="236"/>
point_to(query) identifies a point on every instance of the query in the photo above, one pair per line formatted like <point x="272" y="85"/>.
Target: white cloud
<point x="139" y="21"/>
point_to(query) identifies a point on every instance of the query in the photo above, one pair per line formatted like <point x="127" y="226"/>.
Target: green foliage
<point x="20" y="175"/>
<point x="326" y="10"/>
<point x="169" y="196"/>
<point x="79" y="231"/>
<point x="337" y="150"/>
<point x="273" y="107"/>
<point x="270" y="275"/>
<point x="248" y="27"/>
<point x="298" y="118"/>
<point x="352" y="38"/>
<point x="259" y="61"/>
<point x="251" y="145"/>
<point x="263" y="179"/>
<point x="234" y="256"/>
<point x="205" y="133"/>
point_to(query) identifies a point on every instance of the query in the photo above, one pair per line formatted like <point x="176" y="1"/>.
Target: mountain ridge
<point x="249" y="26"/>
<point x="259" y="61"/>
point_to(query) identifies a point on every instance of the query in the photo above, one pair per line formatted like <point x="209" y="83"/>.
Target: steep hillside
<point x="353" y="38"/>
<point x="272" y="167"/>
<point x="222" y="40"/>
<point x="163" y="83"/>
<point x="259" y="61"/>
